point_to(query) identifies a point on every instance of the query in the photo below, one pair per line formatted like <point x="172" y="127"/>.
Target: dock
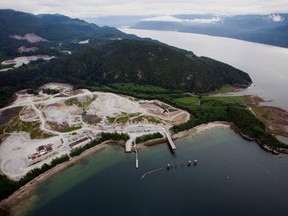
<point x="128" y="145"/>
<point x="170" y="141"/>
<point x="137" y="160"/>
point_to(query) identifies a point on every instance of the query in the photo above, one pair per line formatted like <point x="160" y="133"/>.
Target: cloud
<point x="212" y="20"/>
<point x="169" y="18"/>
<point x="276" y="18"/>
<point x="84" y="8"/>
<point x="163" y="18"/>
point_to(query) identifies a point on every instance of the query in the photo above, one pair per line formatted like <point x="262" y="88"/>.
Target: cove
<point x="233" y="177"/>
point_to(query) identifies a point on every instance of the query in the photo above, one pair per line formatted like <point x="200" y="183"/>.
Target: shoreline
<point x="190" y="132"/>
<point x="15" y="202"/>
<point x="201" y="128"/>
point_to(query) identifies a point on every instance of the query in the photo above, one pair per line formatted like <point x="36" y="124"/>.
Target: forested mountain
<point x="110" y="57"/>
<point x="51" y="27"/>
<point x="54" y="32"/>
<point x="136" y="61"/>
<point x="150" y="63"/>
<point x="268" y="29"/>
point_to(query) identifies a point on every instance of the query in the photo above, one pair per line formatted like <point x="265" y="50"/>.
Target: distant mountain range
<point x="53" y="27"/>
<point x="100" y="55"/>
<point x="269" y="29"/>
<point x="116" y="21"/>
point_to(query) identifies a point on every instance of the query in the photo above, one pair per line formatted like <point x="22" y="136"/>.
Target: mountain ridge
<point x="111" y="56"/>
<point x="62" y="33"/>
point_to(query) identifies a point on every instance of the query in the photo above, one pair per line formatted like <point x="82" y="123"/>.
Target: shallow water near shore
<point x="233" y="177"/>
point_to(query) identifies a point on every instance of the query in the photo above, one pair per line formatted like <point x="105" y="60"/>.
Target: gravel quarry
<point x="73" y="118"/>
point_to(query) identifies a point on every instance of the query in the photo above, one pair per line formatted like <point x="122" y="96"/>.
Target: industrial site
<point x="38" y="128"/>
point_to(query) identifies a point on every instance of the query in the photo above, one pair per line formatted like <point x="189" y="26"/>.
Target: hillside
<point x="152" y="63"/>
<point x="136" y="61"/>
<point x="51" y="34"/>
<point x="105" y="56"/>
<point x="52" y="27"/>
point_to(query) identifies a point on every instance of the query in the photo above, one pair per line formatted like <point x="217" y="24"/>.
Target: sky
<point x="93" y="8"/>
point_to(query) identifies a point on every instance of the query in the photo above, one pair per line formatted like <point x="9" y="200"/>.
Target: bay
<point x="233" y="177"/>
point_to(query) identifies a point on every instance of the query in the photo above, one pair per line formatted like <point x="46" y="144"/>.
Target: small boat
<point x="168" y="166"/>
<point x="189" y="163"/>
<point x="195" y="162"/>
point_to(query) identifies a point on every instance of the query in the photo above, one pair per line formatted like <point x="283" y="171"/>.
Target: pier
<point x="171" y="143"/>
<point x="137" y="161"/>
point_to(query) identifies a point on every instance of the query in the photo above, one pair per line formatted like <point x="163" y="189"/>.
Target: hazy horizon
<point x="94" y="8"/>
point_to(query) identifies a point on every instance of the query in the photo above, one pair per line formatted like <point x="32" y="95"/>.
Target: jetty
<point x="170" y="141"/>
<point x="137" y="160"/>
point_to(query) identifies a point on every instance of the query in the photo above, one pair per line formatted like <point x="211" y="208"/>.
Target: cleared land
<point x="68" y="117"/>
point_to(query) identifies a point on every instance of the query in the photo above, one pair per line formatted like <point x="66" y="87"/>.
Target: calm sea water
<point x="233" y="177"/>
<point x="267" y="65"/>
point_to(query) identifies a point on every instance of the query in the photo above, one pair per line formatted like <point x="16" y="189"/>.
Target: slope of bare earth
<point x="30" y="37"/>
<point x="19" y="61"/>
<point x="24" y="49"/>
<point x="108" y="104"/>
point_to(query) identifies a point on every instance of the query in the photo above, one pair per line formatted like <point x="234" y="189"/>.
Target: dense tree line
<point x="50" y="91"/>
<point x="103" y="137"/>
<point x="7" y="187"/>
<point x="148" y="137"/>
<point x="239" y="115"/>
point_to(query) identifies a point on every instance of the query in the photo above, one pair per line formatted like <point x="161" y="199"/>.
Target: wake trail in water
<point x="150" y="172"/>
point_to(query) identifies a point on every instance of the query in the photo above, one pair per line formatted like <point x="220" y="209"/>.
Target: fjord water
<point x="266" y="65"/>
<point x="233" y="177"/>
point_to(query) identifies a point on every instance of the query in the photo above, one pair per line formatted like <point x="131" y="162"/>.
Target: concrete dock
<point x="139" y="130"/>
<point x="171" y="143"/>
<point x="137" y="160"/>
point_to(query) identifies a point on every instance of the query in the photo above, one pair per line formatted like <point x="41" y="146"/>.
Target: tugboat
<point x="195" y="162"/>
